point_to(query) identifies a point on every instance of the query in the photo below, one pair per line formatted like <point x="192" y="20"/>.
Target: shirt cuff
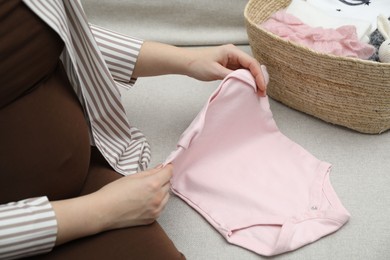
<point x="28" y="227"/>
<point x="119" y="51"/>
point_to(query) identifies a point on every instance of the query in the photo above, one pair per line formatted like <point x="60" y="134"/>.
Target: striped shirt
<point x="97" y="62"/>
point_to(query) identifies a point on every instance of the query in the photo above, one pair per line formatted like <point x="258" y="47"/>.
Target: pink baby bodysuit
<point x="258" y="188"/>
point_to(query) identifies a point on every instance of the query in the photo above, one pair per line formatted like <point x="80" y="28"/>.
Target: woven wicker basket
<point x="345" y="91"/>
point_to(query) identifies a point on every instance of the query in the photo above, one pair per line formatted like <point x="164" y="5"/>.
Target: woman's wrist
<point x="79" y="217"/>
<point x="160" y="59"/>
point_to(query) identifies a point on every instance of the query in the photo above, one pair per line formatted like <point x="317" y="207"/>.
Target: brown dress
<point x="44" y="142"/>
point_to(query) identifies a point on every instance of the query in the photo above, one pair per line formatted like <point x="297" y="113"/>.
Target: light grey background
<point x="162" y="107"/>
<point x="179" y="22"/>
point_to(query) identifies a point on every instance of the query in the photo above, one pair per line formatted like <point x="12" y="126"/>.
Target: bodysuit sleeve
<point x="119" y="51"/>
<point x="27" y="227"/>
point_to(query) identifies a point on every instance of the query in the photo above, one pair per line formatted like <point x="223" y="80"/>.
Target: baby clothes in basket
<point x="258" y="188"/>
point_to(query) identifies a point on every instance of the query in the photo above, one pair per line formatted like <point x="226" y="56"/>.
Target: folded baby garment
<point x="367" y="10"/>
<point x="342" y="41"/>
<point x="316" y="17"/>
<point x="377" y="39"/>
<point x="384" y="29"/>
<point x="254" y="185"/>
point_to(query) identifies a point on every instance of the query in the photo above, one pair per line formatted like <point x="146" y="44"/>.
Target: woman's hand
<point x="210" y="63"/>
<point x="133" y="200"/>
<point x="217" y="62"/>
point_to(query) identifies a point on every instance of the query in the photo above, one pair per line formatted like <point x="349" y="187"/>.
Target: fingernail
<point x="265" y="74"/>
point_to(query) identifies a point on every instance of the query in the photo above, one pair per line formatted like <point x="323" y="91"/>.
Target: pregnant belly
<point x="44" y="143"/>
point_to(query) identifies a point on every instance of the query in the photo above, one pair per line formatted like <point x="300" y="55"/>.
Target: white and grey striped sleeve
<point x="27" y="227"/>
<point x="119" y="51"/>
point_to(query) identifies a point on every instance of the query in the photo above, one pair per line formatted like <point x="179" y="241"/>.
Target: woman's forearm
<point x="76" y="218"/>
<point x="210" y="63"/>
<point x="159" y="59"/>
